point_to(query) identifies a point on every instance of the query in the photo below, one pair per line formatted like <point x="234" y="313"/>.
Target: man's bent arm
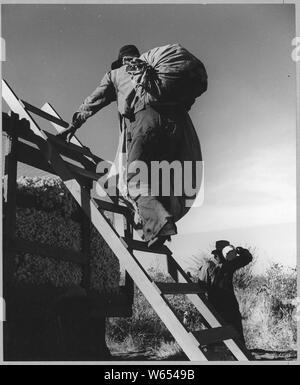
<point x="103" y="95"/>
<point x="240" y="261"/>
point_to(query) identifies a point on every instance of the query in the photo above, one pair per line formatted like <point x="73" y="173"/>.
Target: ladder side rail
<point x="129" y="283"/>
<point x="10" y="185"/>
<point x="44" y="114"/>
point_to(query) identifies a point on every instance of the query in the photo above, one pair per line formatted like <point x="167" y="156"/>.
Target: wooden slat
<point x="108" y="206"/>
<point x="68" y="151"/>
<point x="61" y="144"/>
<point x="34" y="158"/>
<point x="128" y="233"/>
<point x="10" y="202"/>
<point x="44" y="115"/>
<point x="179" y="288"/>
<point x="86" y="237"/>
<point x="91" y="175"/>
<point x="142" y="246"/>
<point x="213" y="335"/>
<point x="172" y="267"/>
<point x="37" y="248"/>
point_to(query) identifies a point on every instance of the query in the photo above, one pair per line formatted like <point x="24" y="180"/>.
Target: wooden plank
<point x="143" y="246"/>
<point x="108" y="206"/>
<point x="43" y="114"/>
<point x="62" y="144"/>
<point x="179" y="288"/>
<point x="214" y="335"/>
<point x="37" y="248"/>
<point x="86" y="237"/>
<point x="172" y="267"/>
<point x="68" y="151"/>
<point x="128" y="233"/>
<point x="9" y="229"/>
<point x="88" y="174"/>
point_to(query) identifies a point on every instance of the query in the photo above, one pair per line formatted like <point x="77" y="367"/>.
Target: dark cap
<point x="126" y="50"/>
<point x="221" y="244"/>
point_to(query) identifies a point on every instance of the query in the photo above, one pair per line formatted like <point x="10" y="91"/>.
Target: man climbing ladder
<point x="153" y="107"/>
<point x="51" y="153"/>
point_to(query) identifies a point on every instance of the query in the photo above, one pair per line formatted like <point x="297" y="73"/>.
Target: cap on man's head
<point x="221" y="244"/>
<point x="126" y="50"/>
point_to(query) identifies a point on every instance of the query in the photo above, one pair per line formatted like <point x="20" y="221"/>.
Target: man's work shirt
<point x="116" y="85"/>
<point x="218" y="279"/>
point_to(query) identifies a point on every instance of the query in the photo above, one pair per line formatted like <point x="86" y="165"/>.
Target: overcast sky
<point x="246" y="121"/>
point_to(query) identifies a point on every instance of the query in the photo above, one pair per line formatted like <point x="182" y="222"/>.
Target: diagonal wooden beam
<point x="43" y="114"/>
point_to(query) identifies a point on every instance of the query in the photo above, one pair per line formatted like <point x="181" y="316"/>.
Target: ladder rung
<point x="45" y="115"/>
<point x="179" y="288"/>
<point x="213" y="335"/>
<point x="108" y="206"/>
<point x="142" y="246"/>
<point x="85" y="173"/>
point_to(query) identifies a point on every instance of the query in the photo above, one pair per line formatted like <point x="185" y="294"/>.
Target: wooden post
<point x="9" y="227"/>
<point x="172" y="268"/>
<point x="86" y="238"/>
<point x="129" y="283"/>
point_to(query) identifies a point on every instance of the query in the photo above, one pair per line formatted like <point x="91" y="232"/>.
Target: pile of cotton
<point x="47" y="213"/>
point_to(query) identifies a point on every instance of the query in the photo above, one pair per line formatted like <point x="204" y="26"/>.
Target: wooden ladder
<point x="125" y="247"/>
